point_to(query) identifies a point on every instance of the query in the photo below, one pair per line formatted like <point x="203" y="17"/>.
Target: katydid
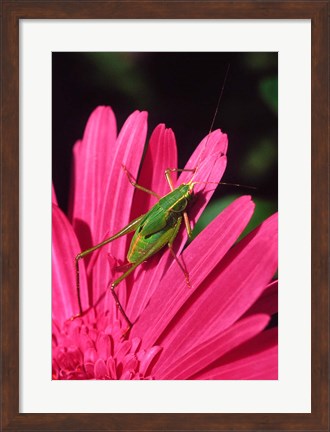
<point x="153" y="230"/>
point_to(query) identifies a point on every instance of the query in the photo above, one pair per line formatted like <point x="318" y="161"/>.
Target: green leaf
<point x="260" y="159"/>
<point x="120" y="71"/>
<point x="268" y="89"/>
<point x="259" y="60"/>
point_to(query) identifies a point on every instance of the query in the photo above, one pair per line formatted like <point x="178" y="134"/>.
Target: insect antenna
<point x="226" y="184"/>
<point x="213" y="120"/>
<point x="219" y="98"/>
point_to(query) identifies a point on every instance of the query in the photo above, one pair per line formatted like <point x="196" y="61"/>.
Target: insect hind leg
<point x="137" y="186"/>
<point x="113" y="284"/>
<point x="170" y="246"/>
<point x="184" y="271"/>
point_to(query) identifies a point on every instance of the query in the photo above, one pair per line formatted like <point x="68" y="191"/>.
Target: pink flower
<point x="217" y="328"/>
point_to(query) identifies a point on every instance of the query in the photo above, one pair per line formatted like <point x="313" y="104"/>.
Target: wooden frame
<point x="12" y="12"/>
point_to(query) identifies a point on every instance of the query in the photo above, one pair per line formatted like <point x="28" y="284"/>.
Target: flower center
<point x="87" y="348"/>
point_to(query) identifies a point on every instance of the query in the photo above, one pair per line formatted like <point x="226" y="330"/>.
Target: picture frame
<point x="12" y="12"/>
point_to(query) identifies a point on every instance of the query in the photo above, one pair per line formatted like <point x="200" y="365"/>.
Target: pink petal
<point x="54" y="199"/>
<point x="135" y="344"/>
<point x="85" y="342"/>
<point x="112" y="370"/>
<point x="203" y="194"/>
<point x="117" y="202"/>
<point x="104" y="346"/>
<point x="68" y="358"/>
<point x="268" y="301"/>
<point x="90" y="355"/>
<point x="210" y="350"/>
<point x="100" y="369"/>
<point x="200" y="258"/>
<point x="127" y="375"/>
<point x="256" y="359"/>
<point x="210" y="161"/>
<point x="228" y="292"/>
<point x="118" y="198"/>
<point x="130" y="362"/>
<point x="147" y="358"/>
<point x="92" y="162"/>
<point x="65" y="247"/>
<point x="161" y="154"/>
<point x="214" y="143"/>
<point x="123" y="350"/>
<point x="211" y="165"/>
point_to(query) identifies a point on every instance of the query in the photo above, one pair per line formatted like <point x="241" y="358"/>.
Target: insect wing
<point x="143" y="247"/>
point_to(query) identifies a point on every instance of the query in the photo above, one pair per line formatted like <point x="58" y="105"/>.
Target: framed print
<point x="154" y="359"/>
<point x="105" y="166"/>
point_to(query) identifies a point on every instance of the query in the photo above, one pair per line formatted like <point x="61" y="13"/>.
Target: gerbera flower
<point x="215" y="329"/>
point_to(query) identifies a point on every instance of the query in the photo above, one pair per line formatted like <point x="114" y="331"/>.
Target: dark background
<point x="180" y="90"/>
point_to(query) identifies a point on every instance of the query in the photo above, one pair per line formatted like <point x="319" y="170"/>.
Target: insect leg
<point x="170" y="245"/>
<point x="186" y="274"/>
<point x="115" y="296"/>
<point x="187" y="224"/>
<point x="170" y="182"/>
<point x="127" y="229"/>
<point x="169" y="178"/>
<point x="168" y="236"/>
<point x="133" y="183"/>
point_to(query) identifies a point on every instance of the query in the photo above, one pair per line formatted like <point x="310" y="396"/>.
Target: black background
<point x="180" y="90"/>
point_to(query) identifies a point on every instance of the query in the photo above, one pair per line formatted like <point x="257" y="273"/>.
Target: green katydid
<point x="153" y="230"/>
